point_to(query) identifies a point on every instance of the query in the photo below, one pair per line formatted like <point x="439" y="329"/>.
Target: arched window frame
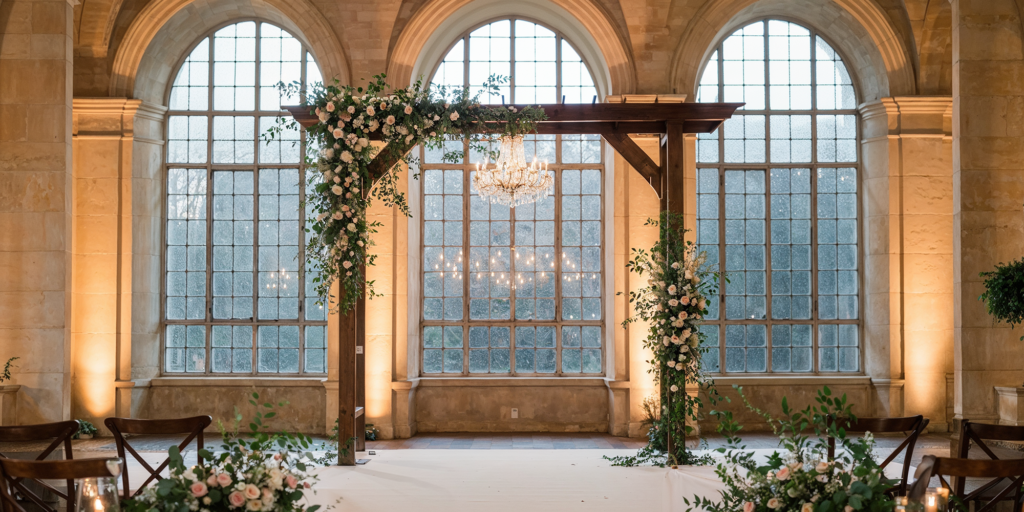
<point x="470" y="157"/>
<point x="305" y="299"/>
<point x="718" y="342"/>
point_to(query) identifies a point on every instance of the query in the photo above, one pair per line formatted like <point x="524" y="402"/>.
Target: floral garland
<point x="680" y="285"/>
<point x="349" y="118"/>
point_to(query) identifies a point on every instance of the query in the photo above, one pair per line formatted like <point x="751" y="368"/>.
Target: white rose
<point x="329" y="153"/>
<point x="674" y="388"/>
<point x="347" y="264"/>
<point x="675" y="265"/>
<point x="363" y="142"/>
<point x="346" y="157"/>
<point x="351" y="226"/>
<point x="337" y="216"/>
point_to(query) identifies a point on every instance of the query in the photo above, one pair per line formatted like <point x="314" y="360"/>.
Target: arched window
<point x="515" y="291"/>
<point x="235" y="301"/>
<point x="778" y="204"/>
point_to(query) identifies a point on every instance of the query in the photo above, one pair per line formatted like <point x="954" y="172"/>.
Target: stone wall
<point x="81" y="228"/>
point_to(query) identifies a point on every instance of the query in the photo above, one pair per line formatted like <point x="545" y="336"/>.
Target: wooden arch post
<point x="613" y="121"/>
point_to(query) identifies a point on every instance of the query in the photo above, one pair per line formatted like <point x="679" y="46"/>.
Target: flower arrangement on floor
<point x="258" y="472"/>
<point x="801" y="479"/>
<point x="349" y="118"/>
<point x="680" y="286"/>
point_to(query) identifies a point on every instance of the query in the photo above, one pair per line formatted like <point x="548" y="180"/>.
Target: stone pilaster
<point x="35" y="202"/>
<point x="988" y="190"/>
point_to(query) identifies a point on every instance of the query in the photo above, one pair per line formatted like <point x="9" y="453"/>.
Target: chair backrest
<point x="18" y="470"/>
<point x="977" y="434"/>
<point x="192" y="427"/>
<point x="60" y="433"/>
<point x="911" y="426"/>
<point x="962" y="469"/>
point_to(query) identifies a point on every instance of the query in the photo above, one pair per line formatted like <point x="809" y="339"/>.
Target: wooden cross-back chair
<point x="39" y="470"/>
<point x="60" y="433"/>
<point x="976" y="434"/>
<point x="911" y="426"/>
<point x="120" y="427"/>
<point x="1010" y="471"/>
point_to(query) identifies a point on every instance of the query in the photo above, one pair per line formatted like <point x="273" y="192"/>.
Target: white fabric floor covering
<point x="494" y="480"/>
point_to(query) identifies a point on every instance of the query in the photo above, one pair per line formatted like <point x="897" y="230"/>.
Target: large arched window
<point x="777" y="204"/>
<point x="235" y="301"/>
<point x="515" y="291"/>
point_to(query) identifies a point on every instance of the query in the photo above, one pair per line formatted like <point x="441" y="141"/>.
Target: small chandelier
<point x="511" y="181"/>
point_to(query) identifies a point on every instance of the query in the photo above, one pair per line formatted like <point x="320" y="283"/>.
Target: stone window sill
<point x="222" y="382"/>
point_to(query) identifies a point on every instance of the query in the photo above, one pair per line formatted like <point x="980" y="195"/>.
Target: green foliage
<point x="86" y="428"/>
<point x="680" y="286"/>
<point x="279" y="462"/>
<point x="341" y="154"/>
<point x="1004" y="293"/>
<point x="800" y="477"/>
<point x="371" y="432"/>
<point x="6" y="376"/>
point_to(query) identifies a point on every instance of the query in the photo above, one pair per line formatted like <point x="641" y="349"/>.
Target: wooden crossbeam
<point x="637" y="158"/>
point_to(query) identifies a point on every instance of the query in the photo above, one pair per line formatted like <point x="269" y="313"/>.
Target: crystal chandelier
<point x="511" y="181"/>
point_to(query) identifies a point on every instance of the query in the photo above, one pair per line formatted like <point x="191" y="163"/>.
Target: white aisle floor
<point x="492" y="480"/>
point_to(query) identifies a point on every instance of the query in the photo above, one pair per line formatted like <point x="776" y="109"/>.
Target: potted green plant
<point x="86" y="430"/>
<point x="1004" y="293"/>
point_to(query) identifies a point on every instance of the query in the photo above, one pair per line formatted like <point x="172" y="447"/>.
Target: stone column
<point x="35" y="202"/>
<point x="988" y="191"/>
<point x="907" y="202"/>
<point x="117" y="142"/>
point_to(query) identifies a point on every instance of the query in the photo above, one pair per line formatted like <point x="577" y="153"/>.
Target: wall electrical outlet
<point x="515" y="413"/>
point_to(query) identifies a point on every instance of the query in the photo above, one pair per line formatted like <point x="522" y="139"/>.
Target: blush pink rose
<point x="236" y="499"/>
<point x="291" y="481"/>
<point x="198" y="489"/>
<point x="224" y="479"/>
<point x="211" y="481"/>
<point x="783" y="474"/>
<point x="252" y="492"/>
<point x="748" y="506"/>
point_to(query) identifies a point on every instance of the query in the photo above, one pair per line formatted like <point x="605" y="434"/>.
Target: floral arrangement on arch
<point x="680" y="286"/>
<point x="349" y="119"/>
<point x="259" y="472"/>
<point x="801" y="478"/>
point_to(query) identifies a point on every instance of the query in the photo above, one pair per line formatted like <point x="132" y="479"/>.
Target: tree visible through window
<point x="235" y="300"/>
<point x="515" y="291"/>
<point x="777" y="204"/>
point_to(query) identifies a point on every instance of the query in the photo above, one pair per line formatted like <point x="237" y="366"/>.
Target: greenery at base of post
<point x="801" y="478"/>
<point x="1004" y="293"/>
<point x="680" y="286"/>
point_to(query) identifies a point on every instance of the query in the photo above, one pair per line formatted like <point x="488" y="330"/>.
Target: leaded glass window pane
<point x="515" y="291"/>
<point x="777" y="204"/>
<point x="236" y="298"/>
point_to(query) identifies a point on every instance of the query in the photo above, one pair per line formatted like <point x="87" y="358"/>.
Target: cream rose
<point x="337" y="190"/>
<point x="672" y="289"/>
<point x="774" y="503"/>
<point x="390" y="120"/>
<point x="807" y="507"/>
<point x="346" y="157"/>
<point x="454" y="116"/>
<point x="254" y="506"/>
<point x="408" y="110"/>
<point x="821" y="467"/>
<point x="370" y="111"/>
<point x="351" y="109"/>
<point x="330" y="106"/>
<point x="674" y="388"/>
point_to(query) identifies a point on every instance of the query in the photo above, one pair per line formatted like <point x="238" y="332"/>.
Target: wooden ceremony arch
<point x="613" y="121"/>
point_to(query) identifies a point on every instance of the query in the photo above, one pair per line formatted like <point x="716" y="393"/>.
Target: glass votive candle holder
<point x="99" y="494"/>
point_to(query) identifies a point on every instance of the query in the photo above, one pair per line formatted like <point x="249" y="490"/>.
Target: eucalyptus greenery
<point x="343" y="186"/>
<point x="1004" y="293"/>
<point x="6" y="375"/>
